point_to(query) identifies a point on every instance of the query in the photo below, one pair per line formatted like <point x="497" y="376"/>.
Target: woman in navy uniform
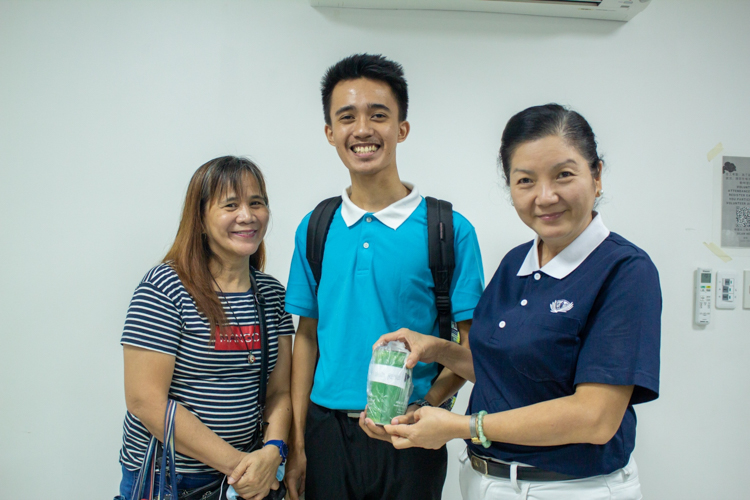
<point x="565" y="339"/>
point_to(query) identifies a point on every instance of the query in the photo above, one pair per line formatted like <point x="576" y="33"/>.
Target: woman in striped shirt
<point x="192" y="335"/>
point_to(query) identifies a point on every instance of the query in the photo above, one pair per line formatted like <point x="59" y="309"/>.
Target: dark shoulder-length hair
<point x="190" y="253"/>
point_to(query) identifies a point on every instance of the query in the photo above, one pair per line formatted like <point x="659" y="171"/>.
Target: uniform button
<point x="502" y="324"/>
<point x="251" y="359"/>
<point x="369" y="219"/>
<point x="524" y="302"/>
<point x="537" y="276"/>
<point x="366" y="245"/>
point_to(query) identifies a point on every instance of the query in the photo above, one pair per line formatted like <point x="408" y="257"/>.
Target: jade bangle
<point x="473" y="429"/>
<point x="480" y="430"/>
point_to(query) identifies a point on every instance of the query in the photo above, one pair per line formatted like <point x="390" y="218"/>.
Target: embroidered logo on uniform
<point x="560" y="306"/>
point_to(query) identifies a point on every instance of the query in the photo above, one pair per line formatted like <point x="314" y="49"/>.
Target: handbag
<point x="215" y="490"/>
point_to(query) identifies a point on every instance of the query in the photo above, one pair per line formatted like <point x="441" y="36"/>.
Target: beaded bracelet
<point x="480" y="430"/>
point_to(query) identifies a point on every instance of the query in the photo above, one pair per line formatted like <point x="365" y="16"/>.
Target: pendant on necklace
<point x="251" y="359"/>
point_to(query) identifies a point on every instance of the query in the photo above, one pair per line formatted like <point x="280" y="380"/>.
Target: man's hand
<point x="372" y="429"/>
<point x="296" y="469"/>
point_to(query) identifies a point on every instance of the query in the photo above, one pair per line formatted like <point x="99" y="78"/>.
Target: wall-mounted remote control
<point x="703" y="292"/>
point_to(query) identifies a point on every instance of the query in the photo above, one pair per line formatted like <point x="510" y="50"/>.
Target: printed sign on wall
<point x="735" y="201"/>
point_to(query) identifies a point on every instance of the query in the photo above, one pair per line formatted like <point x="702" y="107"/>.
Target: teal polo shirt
<point x="375" y="280"/>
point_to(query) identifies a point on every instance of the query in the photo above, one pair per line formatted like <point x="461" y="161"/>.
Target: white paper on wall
<point x="735" y="201"/>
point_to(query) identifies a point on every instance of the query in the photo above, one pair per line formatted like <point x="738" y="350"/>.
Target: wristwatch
<point x="283" y="448"/>
<point x="422" y="403"/>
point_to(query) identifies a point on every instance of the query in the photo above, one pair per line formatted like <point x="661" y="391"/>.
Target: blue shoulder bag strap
<point x="168" y="455"/>
<point x="167" y="469"/>
<point x="148" y="466"/>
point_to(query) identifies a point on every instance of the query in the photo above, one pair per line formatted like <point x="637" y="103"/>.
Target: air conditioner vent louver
<point x="612" y="10"/>
<point x="594" y="3"/>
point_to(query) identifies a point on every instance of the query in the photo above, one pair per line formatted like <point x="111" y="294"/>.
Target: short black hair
<point x="538" y="122"/>
<point x="372" y="66"/>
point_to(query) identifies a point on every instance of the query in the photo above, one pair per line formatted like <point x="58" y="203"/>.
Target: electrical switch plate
<point x="727" y="289"/>
<point x="746" y="291"/>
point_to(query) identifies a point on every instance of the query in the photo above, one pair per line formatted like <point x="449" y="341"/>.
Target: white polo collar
<point x="572" y="256"/>
<point x="392" y="216"/>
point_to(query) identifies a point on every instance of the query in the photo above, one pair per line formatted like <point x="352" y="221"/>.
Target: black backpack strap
<point x="260" y="305"/>
<point x="317" y="232"/>
<point x="442" y="259"/>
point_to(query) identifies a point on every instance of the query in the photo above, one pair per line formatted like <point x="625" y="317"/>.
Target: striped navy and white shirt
<point x="217" y="382"/>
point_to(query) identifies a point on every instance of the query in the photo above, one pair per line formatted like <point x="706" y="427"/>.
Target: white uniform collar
<point x="572" y="256"/>
<point x="392" y="216"/>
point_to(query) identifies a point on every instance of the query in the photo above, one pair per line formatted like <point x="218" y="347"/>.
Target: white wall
<point x="106" y="108"/>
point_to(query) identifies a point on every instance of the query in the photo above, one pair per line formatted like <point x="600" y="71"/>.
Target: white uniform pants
<point x="622" y="484"/>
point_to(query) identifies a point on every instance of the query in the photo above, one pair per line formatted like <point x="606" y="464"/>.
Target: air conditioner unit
<point x="611" y="10"/>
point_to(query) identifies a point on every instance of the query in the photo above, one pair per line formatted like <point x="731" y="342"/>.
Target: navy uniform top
<point x="591" y="314"/>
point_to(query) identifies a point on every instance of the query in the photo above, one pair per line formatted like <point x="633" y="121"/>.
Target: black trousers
<point x="344" y="463"/>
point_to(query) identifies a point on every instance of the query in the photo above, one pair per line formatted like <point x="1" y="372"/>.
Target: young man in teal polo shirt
<point x="375" y="279"/>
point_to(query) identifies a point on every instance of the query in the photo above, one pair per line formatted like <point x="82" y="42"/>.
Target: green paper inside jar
<point x="388" y="400"/>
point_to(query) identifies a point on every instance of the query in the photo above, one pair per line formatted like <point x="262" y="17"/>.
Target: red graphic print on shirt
<point x="238" y="338"/>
